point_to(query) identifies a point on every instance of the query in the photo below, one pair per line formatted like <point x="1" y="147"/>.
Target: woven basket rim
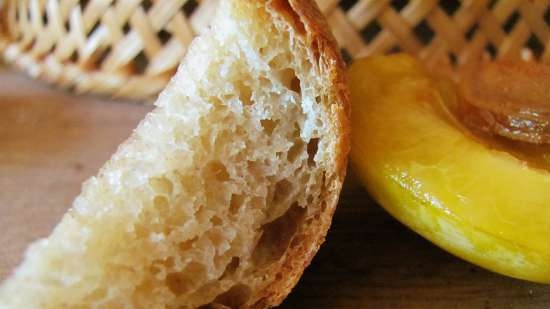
<point x="138" y="45"/>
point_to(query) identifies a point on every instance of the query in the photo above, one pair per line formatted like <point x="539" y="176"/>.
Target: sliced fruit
<point x="482" y="204"/>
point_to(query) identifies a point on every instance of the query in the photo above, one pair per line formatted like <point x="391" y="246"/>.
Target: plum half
<point x="479" y="202"/>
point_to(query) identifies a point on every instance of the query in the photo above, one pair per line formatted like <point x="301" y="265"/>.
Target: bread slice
<point x="224" y="192"/>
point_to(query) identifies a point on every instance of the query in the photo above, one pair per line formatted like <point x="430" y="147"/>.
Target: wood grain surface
<point x="51" y="141"/>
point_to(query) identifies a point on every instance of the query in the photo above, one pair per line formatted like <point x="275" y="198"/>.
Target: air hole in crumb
<point x="290" y="80"/>
<point x="257" y="203"/>
<point x="188" y="182"/>
<point x="187" y="244"/>
<point x="256" y="169"/>
<point x="217" y="237"/>
<point x="245" y="93"/>
<point x="141" y="231"/>
<point x="295" y="150"/>
<point x="169" y="262"/>
<point x="318" y="100"/>
<point x="318" y="123"/>
<point x="160" y="267"/>
<point x="277" y="62"/>
<point x="177" y="283"/>
<point x="282" y="191"/>
<point x="264" y="82"/>
<point x="218" y="102"/>
<point x="295" y="85"/>
<point x="218" y="171"/>
<point x="237" y="200"/>
<point x="268" y="125"/>
<point x="216" y="220"/>
<point x="231" y="267"/>
<point x="161" y="185"/>
<point x="276" y="236"/>
<point x="312" y="148"/>
<point x="182" y="282"/>
<point x="156" y="269"/>
<point x="161" y="204"/>
<point x="235" y="297"/>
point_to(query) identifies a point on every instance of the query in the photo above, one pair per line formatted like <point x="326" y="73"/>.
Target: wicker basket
<point x="130" y="48"/>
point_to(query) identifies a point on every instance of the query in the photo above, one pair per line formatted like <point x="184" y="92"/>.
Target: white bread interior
<point x="223" y="193"/>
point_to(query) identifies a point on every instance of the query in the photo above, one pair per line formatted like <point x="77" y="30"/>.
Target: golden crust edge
<point x="320" y="40"/>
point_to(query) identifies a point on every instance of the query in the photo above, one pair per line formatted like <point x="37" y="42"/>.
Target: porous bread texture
<point x="222" y="194"/>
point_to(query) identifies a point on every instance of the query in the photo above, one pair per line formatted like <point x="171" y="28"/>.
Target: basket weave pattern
<point x="130" y="48"/>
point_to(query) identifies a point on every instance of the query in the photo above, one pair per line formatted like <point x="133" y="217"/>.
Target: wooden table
<point x="51" y="141"/>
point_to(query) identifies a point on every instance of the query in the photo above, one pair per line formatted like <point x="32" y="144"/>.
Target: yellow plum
<point x="480" y="203"/>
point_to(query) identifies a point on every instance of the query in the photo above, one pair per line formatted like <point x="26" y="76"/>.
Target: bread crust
<point x="268" y="284"/>
<point x="309" y="23"/>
